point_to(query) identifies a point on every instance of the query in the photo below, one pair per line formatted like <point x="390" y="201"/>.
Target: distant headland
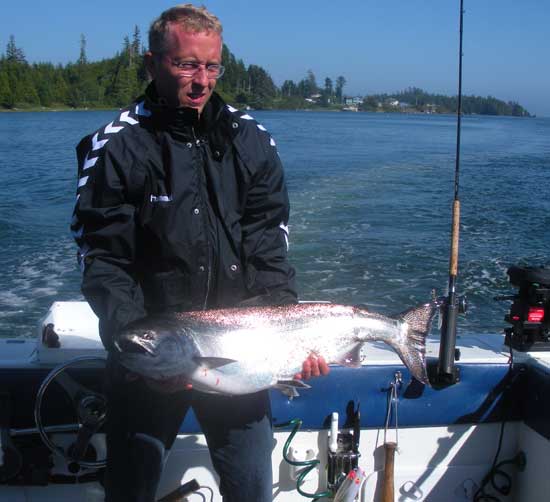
<point x="116" y="81"/>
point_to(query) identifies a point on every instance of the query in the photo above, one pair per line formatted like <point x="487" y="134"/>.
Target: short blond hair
<point x="188" y="16"/>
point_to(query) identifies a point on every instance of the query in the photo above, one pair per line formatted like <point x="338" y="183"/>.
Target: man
<point x="182" y="205"/>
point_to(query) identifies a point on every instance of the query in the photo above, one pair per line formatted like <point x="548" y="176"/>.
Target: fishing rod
<point x="446" y="371"/>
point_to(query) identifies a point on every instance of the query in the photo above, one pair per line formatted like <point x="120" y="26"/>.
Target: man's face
<point x="181" y="45"/>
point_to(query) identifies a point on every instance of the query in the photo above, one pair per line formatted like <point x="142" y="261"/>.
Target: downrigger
<point x="530" y="310"/>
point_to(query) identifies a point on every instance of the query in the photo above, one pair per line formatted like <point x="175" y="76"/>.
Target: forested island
<point x="116" y="81"/>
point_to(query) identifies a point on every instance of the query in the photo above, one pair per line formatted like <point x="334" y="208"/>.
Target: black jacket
<point x="174" y="212"/>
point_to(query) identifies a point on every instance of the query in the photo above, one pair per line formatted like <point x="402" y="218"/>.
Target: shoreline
<point x="331" y="110"/>
<point x="54" y="109"/>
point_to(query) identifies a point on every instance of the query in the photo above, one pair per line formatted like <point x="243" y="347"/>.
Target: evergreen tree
<point x="60" y="89"/>
<point x="289" y="88"/>
<point x="312" y="82"/>
<point x="6" y="98"/>
<point x="340" y="83"/>
<point x="328" y="92"/>
<point x="260" y="82"/>
<point x="125" y="87"/>
<point x="307" y="86"/>
<point x="82" y="60"/>
<point x="14" y="53"/>
<point x="24" y="91"/>
<point x="42" y="75"/>
<point x="126" y="55"/>
<point x="136" y="43"/>
<point x="328" y="87"/>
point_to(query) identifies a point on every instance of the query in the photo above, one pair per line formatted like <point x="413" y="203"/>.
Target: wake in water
<point x="30" y="285"/>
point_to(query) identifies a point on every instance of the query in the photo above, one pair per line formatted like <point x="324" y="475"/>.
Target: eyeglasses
<point x="191" y="68"/>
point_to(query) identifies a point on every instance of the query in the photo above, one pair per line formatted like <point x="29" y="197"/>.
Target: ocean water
<point x="371" y="202"/>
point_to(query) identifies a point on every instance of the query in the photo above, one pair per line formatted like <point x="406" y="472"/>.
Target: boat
<point x="448" y="442"/>
<point x="480" y="431"/>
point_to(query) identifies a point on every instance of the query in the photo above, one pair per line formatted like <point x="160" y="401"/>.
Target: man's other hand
<point x="313" y="366"/>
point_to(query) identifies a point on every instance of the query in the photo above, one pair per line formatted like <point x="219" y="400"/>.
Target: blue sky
<point x="377" y="45"/>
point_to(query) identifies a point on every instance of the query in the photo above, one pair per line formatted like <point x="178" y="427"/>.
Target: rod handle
<point x="387" y="485"/>
<point x="453" y="263"/>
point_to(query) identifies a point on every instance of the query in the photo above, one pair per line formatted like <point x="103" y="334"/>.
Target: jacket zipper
<point x="198" y="144"/>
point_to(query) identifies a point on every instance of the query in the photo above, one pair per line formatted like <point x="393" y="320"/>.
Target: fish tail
<point x="412" y="348"/>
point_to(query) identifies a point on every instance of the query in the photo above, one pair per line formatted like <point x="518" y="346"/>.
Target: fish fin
<point x="295" y="382"/>
<point x="213" y="362"/>
<point x="412" y="350"/>
<point x="290" y="387"/>
<point x="352" y="358"/>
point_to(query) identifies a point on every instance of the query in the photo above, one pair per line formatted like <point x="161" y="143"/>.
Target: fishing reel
<point x="530" y="310"/>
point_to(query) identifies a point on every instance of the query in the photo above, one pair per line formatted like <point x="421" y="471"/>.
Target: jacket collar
<point x="183" y="122"/>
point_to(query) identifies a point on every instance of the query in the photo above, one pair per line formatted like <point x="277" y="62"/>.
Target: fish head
<point x="147" y="337"/>
<point x="139" y="342"/>
<point x="154" y="349"/>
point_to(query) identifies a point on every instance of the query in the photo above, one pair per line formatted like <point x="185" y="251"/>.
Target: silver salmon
<point x="244" y="350"/>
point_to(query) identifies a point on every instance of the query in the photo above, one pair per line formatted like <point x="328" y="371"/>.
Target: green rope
<point x="308" y="465"/>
